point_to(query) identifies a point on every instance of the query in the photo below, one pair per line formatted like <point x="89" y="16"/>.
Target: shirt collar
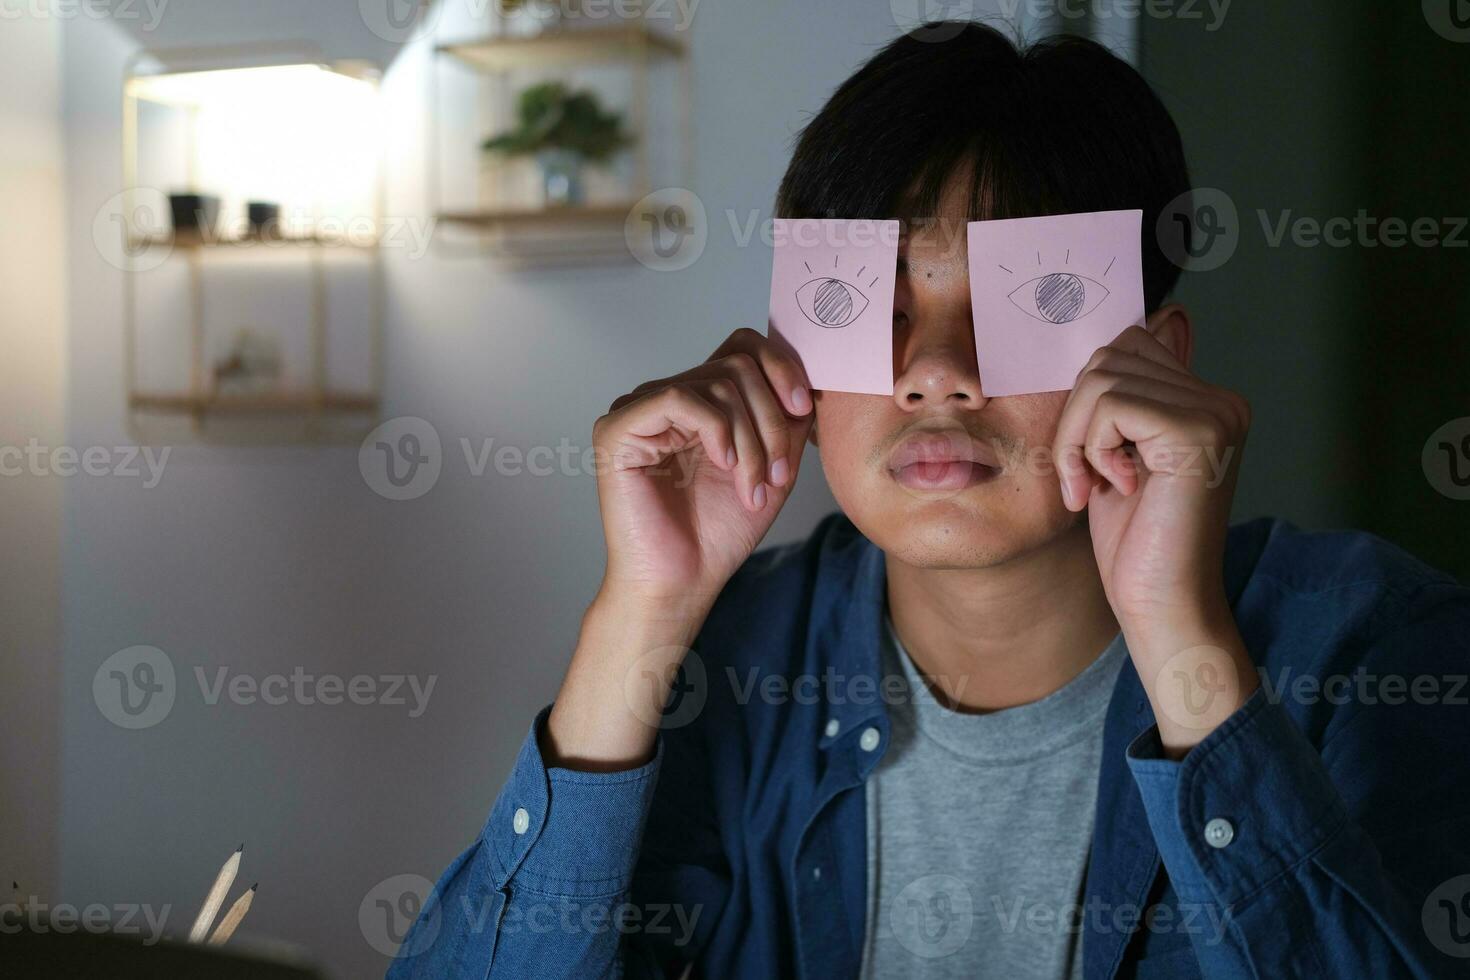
<point x="858" y="582"/>
<point x="855" y="693"/>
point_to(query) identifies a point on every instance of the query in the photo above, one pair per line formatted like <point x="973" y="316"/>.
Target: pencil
<point x="232" y="918"/>
<point x="216" y="897"/>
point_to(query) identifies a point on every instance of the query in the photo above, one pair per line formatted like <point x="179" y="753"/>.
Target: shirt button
<point x="816" y="874"/>
<point x="869" y="740"/>
<point x="833" y="728"/>
<point x="1219" y="832"/>
<point x="521" y="821"/>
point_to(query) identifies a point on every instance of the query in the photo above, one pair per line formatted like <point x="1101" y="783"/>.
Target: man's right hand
<point x="693" y="469"/>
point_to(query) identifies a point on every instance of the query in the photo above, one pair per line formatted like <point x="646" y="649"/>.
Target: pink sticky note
<point x="1047" y="292"/>
<point x="832" y="299"/>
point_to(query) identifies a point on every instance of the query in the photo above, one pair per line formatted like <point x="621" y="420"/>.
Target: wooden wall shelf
<point x="260" y="404"/>
<point x="490" y="206"/>
<point x="259" y="242"/>
<point x="550" y="218"/>
<point x="171" y="368"/>
<point x="612" y="42"/>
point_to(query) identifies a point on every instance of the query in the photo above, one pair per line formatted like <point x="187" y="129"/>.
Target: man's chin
<point x="946" y="537"/>
<point x="970" y="529"/>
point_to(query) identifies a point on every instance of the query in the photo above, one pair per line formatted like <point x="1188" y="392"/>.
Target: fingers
<point x="773" y="426"/>
<point x="648" y="430"/>
<point x="1135" y="391"/>
<point x="784" y="373"/>
<point x="762" y="389"/>
<point x="750" y="452"/>
<point x="1137" y="340"/>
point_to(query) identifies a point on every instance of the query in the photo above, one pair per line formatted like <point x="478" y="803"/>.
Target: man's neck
<point x="1006" y="635"/>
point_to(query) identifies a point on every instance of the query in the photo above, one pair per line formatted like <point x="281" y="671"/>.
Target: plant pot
<point x="195" y="214"/>
<point x="561" y="178"/>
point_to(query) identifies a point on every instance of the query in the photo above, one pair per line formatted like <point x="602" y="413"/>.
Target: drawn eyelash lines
<point x="1059" y="297"/>
<point x="830" y="302"/>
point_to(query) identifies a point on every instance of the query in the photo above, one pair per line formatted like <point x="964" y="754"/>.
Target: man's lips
<point x="949" y="460"/>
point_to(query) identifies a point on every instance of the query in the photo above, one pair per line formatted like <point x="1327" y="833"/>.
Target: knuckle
<point x="678" y="393"/>
<point x="1206" y="429"/>
<point x="724" y="389"/>
<point x="1242" y="407"/>
<point x="776" y="432"/>
<point x="740" y="362"/>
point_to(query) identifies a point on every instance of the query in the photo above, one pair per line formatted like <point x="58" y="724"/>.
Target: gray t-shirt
<point x="979" y="827"/>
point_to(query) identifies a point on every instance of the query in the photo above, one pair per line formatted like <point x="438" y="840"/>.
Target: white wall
<point x="270" y="560"/>
<point x="32" y="407"/>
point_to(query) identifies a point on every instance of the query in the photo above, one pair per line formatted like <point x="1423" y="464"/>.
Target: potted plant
<point x="563" y="130"/>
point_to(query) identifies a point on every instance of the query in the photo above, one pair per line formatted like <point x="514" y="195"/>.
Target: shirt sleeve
<point x="542" y="891"/>
<point x="1328" y="862"/>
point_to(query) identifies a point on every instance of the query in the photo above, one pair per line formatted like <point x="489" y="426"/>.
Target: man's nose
<point x="935" y="367"/>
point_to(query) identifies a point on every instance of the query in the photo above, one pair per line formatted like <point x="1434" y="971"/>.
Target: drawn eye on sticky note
<point x="1047" y="292"/>
<point x="1059" y="297"/>
<point x="832" y="285"/>
<point x="830" y="302"/>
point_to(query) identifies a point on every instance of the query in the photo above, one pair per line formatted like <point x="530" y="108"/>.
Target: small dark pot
<point x="194" y="212"/>
<point x="264" y="217"/>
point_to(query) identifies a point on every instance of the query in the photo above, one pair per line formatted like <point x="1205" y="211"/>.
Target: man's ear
<point x="1171" y="325"/>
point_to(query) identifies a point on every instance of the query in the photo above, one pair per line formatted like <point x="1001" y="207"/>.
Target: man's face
<point x="939" y="475"/>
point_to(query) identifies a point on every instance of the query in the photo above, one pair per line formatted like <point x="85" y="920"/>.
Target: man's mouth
<point x="942" y="461"/>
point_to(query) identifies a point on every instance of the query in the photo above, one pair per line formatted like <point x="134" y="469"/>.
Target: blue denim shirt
<point x="1337" y="799"/>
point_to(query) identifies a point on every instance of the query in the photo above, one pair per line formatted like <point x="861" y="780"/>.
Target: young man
<point x="1013" y="713"/>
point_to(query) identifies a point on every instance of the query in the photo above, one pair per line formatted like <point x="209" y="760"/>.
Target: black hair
<point x="1061" y="126"/>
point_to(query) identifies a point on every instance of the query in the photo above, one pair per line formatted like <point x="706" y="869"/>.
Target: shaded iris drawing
<point x="1059" y="297"/>
<point x="830" y="302"/>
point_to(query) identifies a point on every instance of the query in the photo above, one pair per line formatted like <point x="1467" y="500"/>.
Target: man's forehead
<point x="936" y="239"/>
